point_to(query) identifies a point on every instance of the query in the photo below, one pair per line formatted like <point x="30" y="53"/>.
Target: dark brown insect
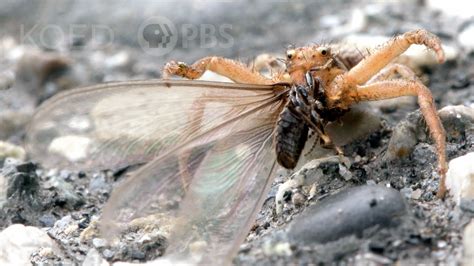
<point x="209" y="147"/>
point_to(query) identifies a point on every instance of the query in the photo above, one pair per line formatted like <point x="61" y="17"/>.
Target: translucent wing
<point x="114" y="125"/>
<point x="207" y="191"/>
<point x="212" y="150"/>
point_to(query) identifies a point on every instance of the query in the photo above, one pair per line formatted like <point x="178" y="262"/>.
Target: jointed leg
<point x="397" y="88"/>
<point x="373" y="63"/>
<point x="391" y="71"/>
<point x="231" y="69"/>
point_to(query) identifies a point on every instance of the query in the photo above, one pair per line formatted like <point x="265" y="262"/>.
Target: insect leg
<point x="373" y="63"/>
<point x="396" y="88"/>
<point x="231" y="69"/>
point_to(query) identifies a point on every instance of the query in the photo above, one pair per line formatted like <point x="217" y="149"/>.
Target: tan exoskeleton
<point x="345" y="82"/>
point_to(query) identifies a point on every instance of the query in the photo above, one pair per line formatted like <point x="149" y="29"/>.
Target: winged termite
<point x="221" y="131"/>
<point x="209" y="147"/>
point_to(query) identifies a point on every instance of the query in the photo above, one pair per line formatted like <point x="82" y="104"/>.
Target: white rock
<point x="279" y="249"/>
<point x="99" y="242"/>
<point x="458" y="111"/>
<point x="74" y="148"/>
<point x="466" y="38"/>
<point x="460" y="177"/>
<point x="118" y="60"/>
<point x="457" y="8"/>
<point x="18" y="242"/>
<point x="468" y="243"/>
<point x="356" y="23"/>
<point x="93" y="258"/>
<point x="11" y="150"/>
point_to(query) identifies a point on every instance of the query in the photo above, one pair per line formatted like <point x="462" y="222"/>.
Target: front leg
<point x="373" y="63"/>
<point x="231" y="69"/>
<point x="340" y="92"/>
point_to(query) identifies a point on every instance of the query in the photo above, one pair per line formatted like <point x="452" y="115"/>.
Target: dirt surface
<point x="67" y="204"/>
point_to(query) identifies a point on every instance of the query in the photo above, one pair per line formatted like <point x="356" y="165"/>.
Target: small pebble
<point x="99" y="243"/>
<point x="47" y="220"/>
<point x="108" y="254"/>
<point x="298" y="199"/>
<point x="460" y="179"/>
<point x="345" y="173"/>
<point x="416" y="194"/>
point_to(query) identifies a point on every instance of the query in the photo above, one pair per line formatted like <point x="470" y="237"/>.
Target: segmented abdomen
<point x="290" y="138"/>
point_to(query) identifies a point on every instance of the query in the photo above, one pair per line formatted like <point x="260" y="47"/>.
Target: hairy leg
<point x="392" y="71"/>
<point x="375" y="62"/>
<point x="399" y="87"/>
<point x="341" y="93"/>
<point x="231" y="69"/>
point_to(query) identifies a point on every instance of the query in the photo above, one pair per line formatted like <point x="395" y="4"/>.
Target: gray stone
<point x="108" y="254"/>
<point x="16" y="109"/>
<point x="404" y="138"/>
<point x="99" y="184"/>
<point x="457" y="120"/>
<point x="61" y="225"/>
<point x="349" y="212"/>
<point x="468" y="242"/>
<point x="47" y="220"/>
<point x="7" y="78"/>
<point x="65" y="191"/>
<point x="22" y="186"/>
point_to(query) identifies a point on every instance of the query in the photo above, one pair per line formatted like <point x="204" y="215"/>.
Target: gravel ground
<point x="380" y="209"/>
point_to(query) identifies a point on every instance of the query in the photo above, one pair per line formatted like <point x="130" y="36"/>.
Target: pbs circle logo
<point x="157" y="36"/>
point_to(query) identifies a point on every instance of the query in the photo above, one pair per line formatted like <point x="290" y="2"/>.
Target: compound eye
<point x="290" y="54"/>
